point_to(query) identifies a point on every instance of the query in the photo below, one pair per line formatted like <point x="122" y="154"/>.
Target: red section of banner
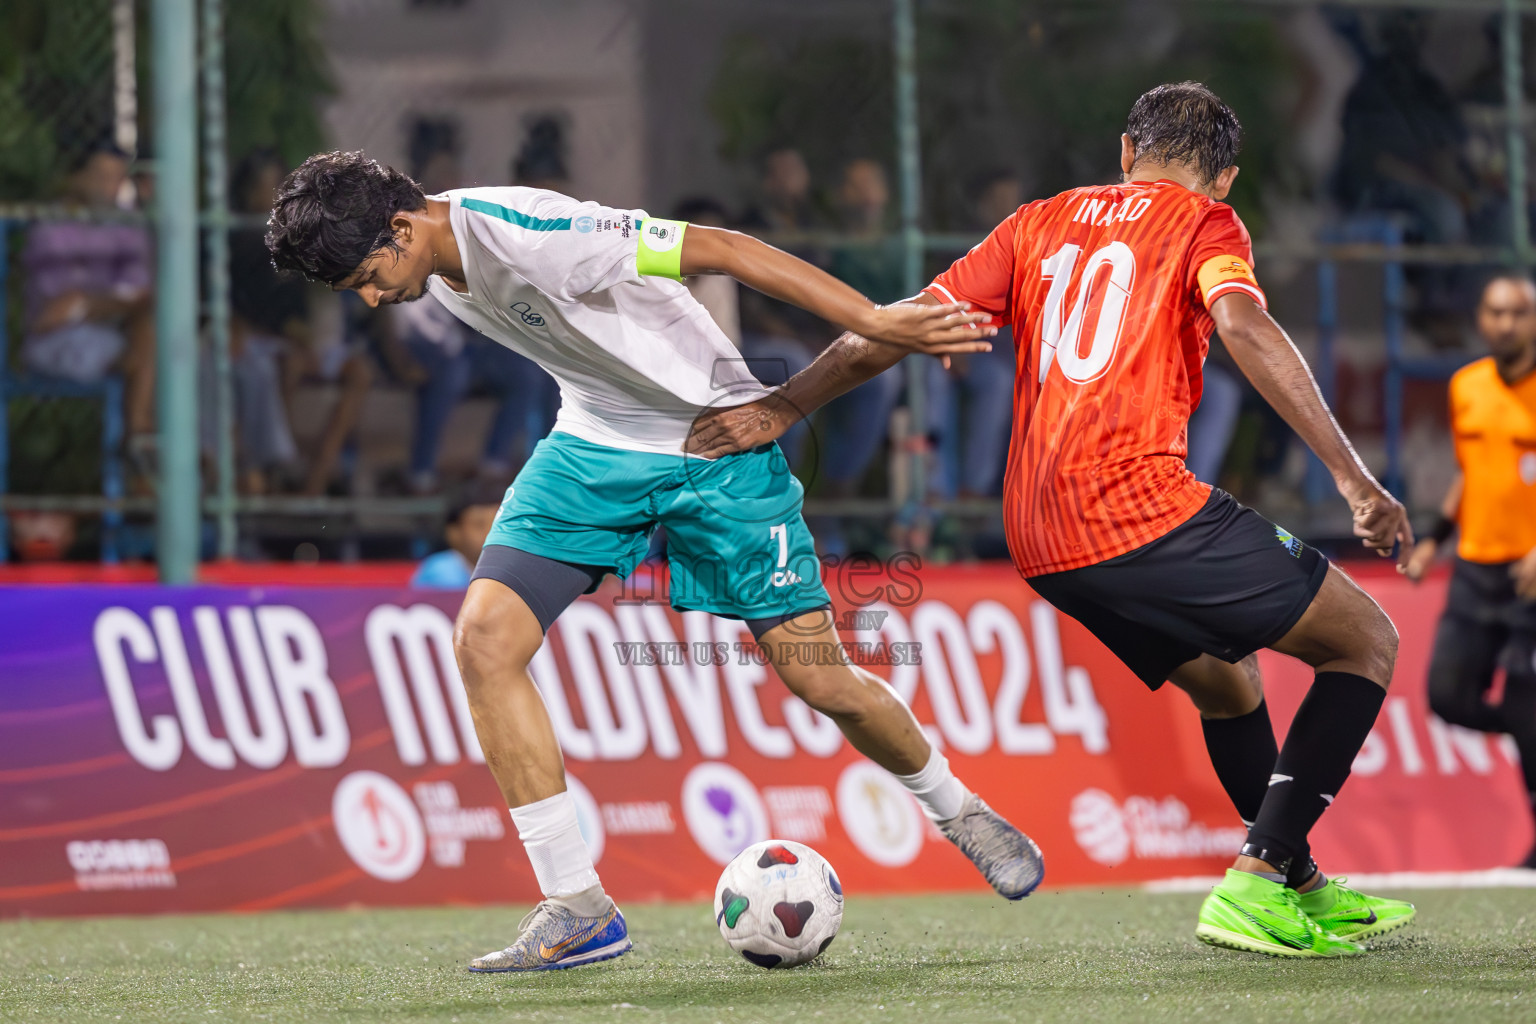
<point x="233" y="748"/>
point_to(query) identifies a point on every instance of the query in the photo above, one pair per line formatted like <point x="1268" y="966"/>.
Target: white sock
<point x="936" y="788"/>
<point x="561" y="861"/>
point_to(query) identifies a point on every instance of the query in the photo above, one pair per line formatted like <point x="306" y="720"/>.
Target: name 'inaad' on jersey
<point x="1108" y="290"/>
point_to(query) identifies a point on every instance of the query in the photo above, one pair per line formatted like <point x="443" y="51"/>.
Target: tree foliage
<point x="56" y="84"/>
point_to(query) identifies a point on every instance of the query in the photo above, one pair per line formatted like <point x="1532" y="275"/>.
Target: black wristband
<point x="1442" y="529"/>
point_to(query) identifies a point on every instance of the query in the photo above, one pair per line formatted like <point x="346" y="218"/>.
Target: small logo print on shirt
<point x="584" y="224"/>
<point x="1291" y="543"/>
<point x="525" y="311"/>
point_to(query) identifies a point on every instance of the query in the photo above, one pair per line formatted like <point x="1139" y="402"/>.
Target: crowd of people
<point x="89" y="314"/>
<point x="306" y="361"/>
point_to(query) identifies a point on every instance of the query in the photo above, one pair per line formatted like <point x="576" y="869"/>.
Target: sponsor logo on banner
<point x="1110" y="831"/>
<point x="639" y="818"/>
<point x="588" y="820"/>
<point x="798" y="812"/>
<point x="723" y="811"/>
<point x="879" y="815"/>
<point x="378" y="826"/>
<point x="121" y="864"/>
<point x="450" y="826"/>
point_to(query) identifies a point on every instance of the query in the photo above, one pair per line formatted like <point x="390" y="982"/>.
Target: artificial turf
<point x="1075" y="956"/>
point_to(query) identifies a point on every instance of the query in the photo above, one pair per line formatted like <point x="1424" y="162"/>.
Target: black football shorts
<point x="1227" y="582"/>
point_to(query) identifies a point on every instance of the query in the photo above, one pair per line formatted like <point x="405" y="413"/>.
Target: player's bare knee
<point x="1221" y="690"/>
<point x="1374" y="652"/>
<point x="487" y="648"/>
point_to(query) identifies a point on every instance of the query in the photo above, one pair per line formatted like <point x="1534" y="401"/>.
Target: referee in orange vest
<point x="1490" y="615"/>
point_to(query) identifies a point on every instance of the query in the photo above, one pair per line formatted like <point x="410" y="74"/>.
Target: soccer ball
<point x="779" y="904"/>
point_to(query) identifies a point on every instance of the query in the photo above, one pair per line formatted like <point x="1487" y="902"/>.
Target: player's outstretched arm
<point x="1265" y="354"/>
<point x="842" y="366"/>
<point x="916" y="327"/>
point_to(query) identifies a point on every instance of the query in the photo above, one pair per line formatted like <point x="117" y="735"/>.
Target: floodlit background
<point x="879" y="139"/>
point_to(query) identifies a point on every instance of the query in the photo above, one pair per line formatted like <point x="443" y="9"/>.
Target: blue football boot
<point x="553" y="937"/>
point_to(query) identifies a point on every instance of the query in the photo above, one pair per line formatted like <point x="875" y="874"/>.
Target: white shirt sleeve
<point x="564" y="248"/>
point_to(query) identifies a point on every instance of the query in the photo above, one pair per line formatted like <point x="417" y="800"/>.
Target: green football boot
<point x="1254" y="914"/>
<point x="1351" y="914"/>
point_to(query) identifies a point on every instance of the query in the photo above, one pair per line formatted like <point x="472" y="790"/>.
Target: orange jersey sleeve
<point x="984" y="277"/>
<point x="1221" y="259"/>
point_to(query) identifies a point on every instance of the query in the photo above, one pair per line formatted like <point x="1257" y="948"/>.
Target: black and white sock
<point x="1330" y="727"/>
<point x="1243" y="751"/>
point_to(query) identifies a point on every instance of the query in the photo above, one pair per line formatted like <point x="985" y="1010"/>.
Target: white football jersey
<point x="555" y="280"/>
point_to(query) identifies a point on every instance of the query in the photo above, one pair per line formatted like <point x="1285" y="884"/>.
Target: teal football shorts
<point x="736" y="542"/>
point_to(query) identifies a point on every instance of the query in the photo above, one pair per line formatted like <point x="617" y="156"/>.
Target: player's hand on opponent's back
<point x="723" y="431"/>
<point x="934" y="330"/>
<point x="1381" y="522"/>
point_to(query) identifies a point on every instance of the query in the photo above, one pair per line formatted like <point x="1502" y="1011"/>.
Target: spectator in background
<point x="90" y="298"/>
<point x="443" y="361"/>
<point x="785" y="205"/>
<point x="274" y="316"/>
<point x="469" y="523"/>
<point x="853" y="427"/>
<point x="454" y="361"/>
<point x="1214" y="420"/>
<point x="779" y="340"/>
<point x="715" y="292"/>
<point x="974" y="396"/>
<point x="1404" y="140"/>
<point x="269" y="313"/>
<point x="540" y="162"/>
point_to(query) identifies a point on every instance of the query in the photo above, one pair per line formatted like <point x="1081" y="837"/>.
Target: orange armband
<point x="1222" y="274"/>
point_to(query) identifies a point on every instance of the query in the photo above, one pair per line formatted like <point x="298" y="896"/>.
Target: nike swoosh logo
<point x="550" y="952"/>
<point x="1289" y="938"/>
<point x="1281" y="778"/>
<point x="1369" y="919"/>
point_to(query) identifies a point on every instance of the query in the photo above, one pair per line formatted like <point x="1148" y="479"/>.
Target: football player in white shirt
<point x="593" y="295"/>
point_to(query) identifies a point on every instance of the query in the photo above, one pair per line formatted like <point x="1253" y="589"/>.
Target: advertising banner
<point x="243" y="748"/>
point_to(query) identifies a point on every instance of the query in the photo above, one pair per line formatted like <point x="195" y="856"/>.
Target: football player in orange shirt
<point x="1113" y="292"/>
<point x="1490" y="610"/>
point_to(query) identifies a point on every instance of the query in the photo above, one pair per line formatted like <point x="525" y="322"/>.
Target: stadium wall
<point x="247" y="746"/>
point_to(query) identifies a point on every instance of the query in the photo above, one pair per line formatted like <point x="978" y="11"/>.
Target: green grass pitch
<point x="1080" y="956"/>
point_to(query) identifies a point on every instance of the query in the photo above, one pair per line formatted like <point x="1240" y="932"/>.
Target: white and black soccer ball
<point x="779" y="903"/>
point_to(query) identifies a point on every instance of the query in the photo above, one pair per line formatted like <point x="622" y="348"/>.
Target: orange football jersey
<point x="1494" y="424"/>
<point x="1108" y="290"/>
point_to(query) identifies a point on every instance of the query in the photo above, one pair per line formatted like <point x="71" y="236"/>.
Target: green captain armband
<point x="660" y="253"/>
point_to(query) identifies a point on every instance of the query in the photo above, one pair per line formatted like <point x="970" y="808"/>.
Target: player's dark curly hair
<point x="1186" y="123"/>
<point x="333" y="211"/>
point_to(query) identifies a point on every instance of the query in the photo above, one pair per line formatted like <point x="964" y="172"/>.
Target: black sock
<point x="1328" y="731"/>
<point x="1243" y="752"/>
